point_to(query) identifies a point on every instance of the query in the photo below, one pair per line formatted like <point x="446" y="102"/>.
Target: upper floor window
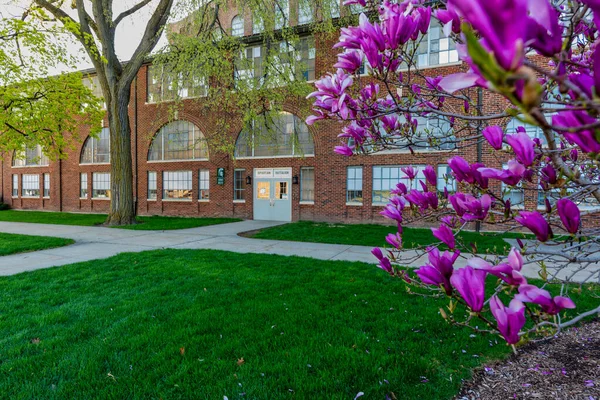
<point x="178" y="140"/>
<point x="305" y="12"/>
<point x="282" y="14"/>
<point x="332" y="7"/>
<point x="96" y="150"/>
<point x="258" y="24"/>
<point x="30" y="157"/>
<point x="237" y="26"/>
<point x="93" y="83"/>
<point x="434" y="48"/>
<point x="284" y="135"/>
<point x="532" y="130"/>
<point x="166" y="86"/>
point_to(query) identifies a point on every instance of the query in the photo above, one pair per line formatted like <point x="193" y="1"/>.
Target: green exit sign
<point x="220" y="176"/>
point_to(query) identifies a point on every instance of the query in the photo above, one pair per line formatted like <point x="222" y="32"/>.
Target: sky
<point x="129" y="31"/>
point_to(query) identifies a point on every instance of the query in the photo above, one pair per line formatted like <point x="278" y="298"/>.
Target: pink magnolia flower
<point x="344" y="150"/>
<point x="445" y="235"/>
<point x="430" y="175"/>
<point x="549" y="174"/>
<point x="349" y="61"/>
<point x="536" y="223"/>
<point x="494" y="135"/>
<point x="509" y="271"/>
<point x="384" y="262"/>
<point x="409" y="172"/>
<point x="510" y="176"/>
<point x="523" y="147"/>
<point x="470" y="284"/>
<point x="541" y="297"/>
<point x="463" y="172"/>
<point x="586" y="138"/>
<point x="510" y="319"/>
<point x="569" y="215"/>
<point x="440" y="268"/>
<point x="394" y="239"/>
<point x="470" y="208"/>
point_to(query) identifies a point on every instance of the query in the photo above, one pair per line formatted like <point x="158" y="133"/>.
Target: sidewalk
<point x="97" y="242"/>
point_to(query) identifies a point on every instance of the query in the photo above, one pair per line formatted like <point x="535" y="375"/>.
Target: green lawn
<point x="13" y="244"/>
<point x="374" y="235"/>
<point x="144" y="223"/>
<point x="200" y="324"/>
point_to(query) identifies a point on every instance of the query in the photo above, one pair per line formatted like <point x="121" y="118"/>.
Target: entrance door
<point x="273" y="194"/>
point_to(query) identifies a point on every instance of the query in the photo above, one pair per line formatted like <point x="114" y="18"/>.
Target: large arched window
<point x="237" y="26"/>
<point x="30" y="157"/>
<point x="284" y="135"/>
<point x="97" y="150"/>
<point x="178" y="140"/>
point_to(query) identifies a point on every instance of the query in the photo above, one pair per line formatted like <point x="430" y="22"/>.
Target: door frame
<point x="273" y="175"/>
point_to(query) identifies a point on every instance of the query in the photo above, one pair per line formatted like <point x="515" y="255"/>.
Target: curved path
<point x="93" y="243"/>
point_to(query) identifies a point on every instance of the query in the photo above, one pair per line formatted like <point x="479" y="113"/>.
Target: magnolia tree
<point x="537" y="59"/>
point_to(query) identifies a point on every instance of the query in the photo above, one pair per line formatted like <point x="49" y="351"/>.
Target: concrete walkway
<point x="93" y="243"/>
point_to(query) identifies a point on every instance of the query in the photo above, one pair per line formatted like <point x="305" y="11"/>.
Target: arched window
<point x="284" y="135"/>
<point x="178" y="140"/>
<point x="96" y="150"/>
<point x="237" y="26"/>
<point x="30" y="157"/>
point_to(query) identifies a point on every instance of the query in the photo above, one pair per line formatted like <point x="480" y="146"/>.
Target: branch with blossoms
<point x="537" y="61"/>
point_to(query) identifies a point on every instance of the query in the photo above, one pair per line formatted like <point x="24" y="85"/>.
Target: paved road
<point x="98" y="242"/>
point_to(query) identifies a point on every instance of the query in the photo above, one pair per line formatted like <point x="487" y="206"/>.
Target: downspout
<point x="479" y="139"/>
<point x="2" y="183"/>
<point x="60" y="200"/>
<point x="135" y="146"/>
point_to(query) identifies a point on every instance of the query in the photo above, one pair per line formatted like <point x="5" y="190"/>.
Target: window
<point x="435" y="49"/>
<point x="93" y="83"/>
<point x="282" y="14"/>
<point x="203" y="184"/>
<point x="532" y="130"/>
<point x="445" y="179"/>
<point x="31" y="186"/>
<point x="96" y="150"/>
<point x="354" y="185"/>
<point x="152" y="190"/>
<point x="305" y="12"/>
<point x="15" y="186"/>
<point x="101" y="185"/>
<point x="283" y="135"/>
<point x="178" y="140"/>
<point x="177" y="185"/>
<point x="305" y="54"/>
<point x="30" y="156"/>
<point x="332" y="7"/>
<point x="46" y="185"/>
<point x="165" y="86"/>
<point x="258" y="25"/>
<point x="249" y="66"/>
<point x="238" y="184"/>
<point x="83" y="185"/>
<point x="386" y="178"/>
<point x="237" y="26"/>
<point x="307" y="184"/>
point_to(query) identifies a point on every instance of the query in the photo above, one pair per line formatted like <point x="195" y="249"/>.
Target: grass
<point x="182" y="324"/>
<point x="13" y="244"/>
<point x="374" y="235"/>
<point x="144" y="223"/>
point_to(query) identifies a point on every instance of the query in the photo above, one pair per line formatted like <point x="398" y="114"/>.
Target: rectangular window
<point x="165" y="86"/>
<point x="282" y="14"/>
<point x="203" y="184"/>
<point x="387" y="177"/>
<point x="101" y="185"/>
<point x="31" y="186"/>
<point x="15" y="186"/>
<point x="435" y="48"/>
<point x="307" y="184"/>
<point x="46" y="185"/>
<point x="249" y="66"/>
<point x="445" y="179"/>
<point x="333" y="7"/>
<point x="152" y="191"/>
<point x="354" y="185"/>
<point x="305" y="12"/>
<point x="515" y="194"/>
<point x="238" y="184"/>
<point x="177" y="185"/>
<point x="83" y="185"/>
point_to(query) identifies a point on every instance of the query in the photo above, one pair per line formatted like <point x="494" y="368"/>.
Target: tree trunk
<point x="122" y="209"/>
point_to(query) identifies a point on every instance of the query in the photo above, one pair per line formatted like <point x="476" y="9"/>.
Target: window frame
<point x="46" y="187"/>
<point x="15" y="186"/>
<point x="30" y="180"/>
<point x="235" y="33"/>
<point x="41" y="159"/>
<point x="187" y="194"/>
<point x="94" y="143"/>
<point x="239" y="192"/>
<point x="83" y="191"/>
<point x="393" y="180"/>
<point x="96" y="190"/>
<point x="351" y="200"/>
<point x="311" y="183"/>
<point x="198" y="140"/>
<point x="204" y="184"/>
<point x="152" y="186"/>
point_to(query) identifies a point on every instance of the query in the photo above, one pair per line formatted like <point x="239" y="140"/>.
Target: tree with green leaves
<point x="36" y="107"/>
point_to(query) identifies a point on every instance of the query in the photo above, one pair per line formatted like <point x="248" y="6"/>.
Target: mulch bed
<point x="565" y="367"/>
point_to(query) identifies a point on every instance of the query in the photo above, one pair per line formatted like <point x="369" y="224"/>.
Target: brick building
<point x="296" y="176"/>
